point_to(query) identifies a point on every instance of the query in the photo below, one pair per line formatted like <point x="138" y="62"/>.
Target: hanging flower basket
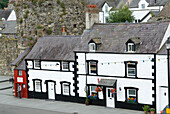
<point x="93" y="96"/>
<point x="113" y="90"/>
<point x="98" y="89"/>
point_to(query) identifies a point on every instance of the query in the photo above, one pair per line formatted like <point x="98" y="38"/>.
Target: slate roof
<point x="10" y="27"/>
<point x="165" y="11"/>
<point x="111" y="3"/>
<point x="114" y="36"/>
<point x="20" y="61"/>
<point x="5" y="13"/>
<point x="159" y="3"/>
<point x="54" y="48"/>
<point x="134" y="3"/>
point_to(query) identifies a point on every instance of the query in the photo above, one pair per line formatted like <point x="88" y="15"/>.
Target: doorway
<point x="51" y="90"/>
<point x="110" y="98"/>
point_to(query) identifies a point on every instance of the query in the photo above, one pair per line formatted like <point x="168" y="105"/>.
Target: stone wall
<point x="9" y="52"/>
<point x="36" y="18"/>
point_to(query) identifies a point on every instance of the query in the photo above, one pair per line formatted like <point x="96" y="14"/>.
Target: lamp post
<point x="168" y="48"/>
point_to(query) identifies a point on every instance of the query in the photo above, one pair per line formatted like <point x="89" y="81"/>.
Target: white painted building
<point x="126" y="61"/>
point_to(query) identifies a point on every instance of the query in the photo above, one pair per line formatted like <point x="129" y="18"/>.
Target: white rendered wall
<point x="113" y="64"/>
<point x="12" y="16"/>
<point x="162" y="80"/>
<point x="101" y="17"/>
<point x="51" y="75"/>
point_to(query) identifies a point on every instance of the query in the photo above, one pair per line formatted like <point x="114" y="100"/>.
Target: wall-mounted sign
<point x="19" y="79"/>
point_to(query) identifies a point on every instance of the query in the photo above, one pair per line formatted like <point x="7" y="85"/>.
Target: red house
<point x="20" y="74"/>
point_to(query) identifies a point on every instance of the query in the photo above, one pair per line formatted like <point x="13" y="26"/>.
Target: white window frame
<point x="130" y="47"/>
<point x="92" y="91"/>
<point x="19" y="72"/>
<point x="143" y="6"/>
<point x="37" y="86"/>
<point x="128" y="93"/>
<point x="66" y="89"/>
<point x="64" y="64"/>
<point x="35" y="64"/>
<point x="134" y="69"/>
<point x="90" y="68"/>
<point x="92" y="47"/>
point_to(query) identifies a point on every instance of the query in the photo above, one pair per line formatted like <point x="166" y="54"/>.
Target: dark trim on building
<point x="52" y="70"/>
<point x="34" y="84"/>
<point x="114" y="53"/>
<point x="154" y="81"/>
<point x="116" y="76"/>
<point x="65" y="82"/>
<point x="75" y="84"/>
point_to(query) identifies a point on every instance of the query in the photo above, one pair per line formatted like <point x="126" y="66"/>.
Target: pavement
<point x="7" y="99"/>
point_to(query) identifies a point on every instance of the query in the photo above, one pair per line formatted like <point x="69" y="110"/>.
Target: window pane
<point x="37" y="86"/>
<point x="37" y="63"/>
<point x="131" y="72"/>
<point x="20" y="73"/>
<point x="93" y="67"/>
<point x="132" y="92"/>
<point x="66" y="89"/>
<point x="65" y="65"/>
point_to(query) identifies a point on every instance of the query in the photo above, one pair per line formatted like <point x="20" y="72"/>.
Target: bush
<point x="58" y="1"/>
<point x="25" y="16"/>
<point x="27" y="12"/>
<point x="39" y="27"/>
<point x="152" y="109"/>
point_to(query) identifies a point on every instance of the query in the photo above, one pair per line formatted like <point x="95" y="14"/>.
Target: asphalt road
<point x="9" y="109"/>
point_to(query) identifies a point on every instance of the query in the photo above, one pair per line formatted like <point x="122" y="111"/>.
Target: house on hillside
<point x="8" y="15"/>
<point x="120" y="65"/>
<point x="143" y="10"/>
<point x="105" y="6"/>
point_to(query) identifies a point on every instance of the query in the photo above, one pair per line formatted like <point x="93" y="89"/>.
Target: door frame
<point x="46" y="82"/>
<point x="114" y="96"/>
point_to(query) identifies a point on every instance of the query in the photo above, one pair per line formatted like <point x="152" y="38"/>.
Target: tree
<point x="122" y="15"/>
<point x="3" y="3"/>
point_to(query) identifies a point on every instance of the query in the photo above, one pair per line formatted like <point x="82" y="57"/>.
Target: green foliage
<point x="3" y="3"/>
<point x="122" y="15"/>
<point x="152" y="109"/>
<point x="25" y="16"/>
<point x="39" y="27"/>
<point x="49" y="31"/>
<point x="146" y="108"/>
<point x="20" y="21"/>
<point x="35" y="32"/>
<point x="25" y="6"/>
<point x="27" y="12"/>
<point x="34" y="2"/>
<point x="40" y="3"/>
<point x="62" y="5"/>
<point x="58" y="1"/>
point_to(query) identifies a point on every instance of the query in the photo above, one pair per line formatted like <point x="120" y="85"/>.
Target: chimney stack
<point x="92" y="15"/>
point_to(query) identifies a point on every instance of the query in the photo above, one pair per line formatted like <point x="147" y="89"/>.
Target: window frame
<point x="106" y="9"/>
<point x="90" y="65"/>
<point x="37" y="62"/>
<point x="19" y="72"/>
<point x="64" y="64"/>
<point x="92" y="45"/>
<point x="143" y="6"/>
<point x="127" y="93"/>
<point x="127" y="63"/>
<point x="132" y="45"/>
<point x="64" y="85"/>
<point x="35" y="87"/>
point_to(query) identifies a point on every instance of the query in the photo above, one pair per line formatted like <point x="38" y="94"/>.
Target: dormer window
<point x="94" y="44"/>
<point x="143" y="6"/>
<point x="132" y="44"/>
<point x="92" y="47"/>
<point x="131" y="47"/>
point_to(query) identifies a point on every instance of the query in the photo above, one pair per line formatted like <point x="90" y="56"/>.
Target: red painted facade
<point x="20" y="80"/>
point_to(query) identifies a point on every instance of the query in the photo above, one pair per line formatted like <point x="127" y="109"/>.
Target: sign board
<point x="19" y="79"/>
<point x="167" y="110"/>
